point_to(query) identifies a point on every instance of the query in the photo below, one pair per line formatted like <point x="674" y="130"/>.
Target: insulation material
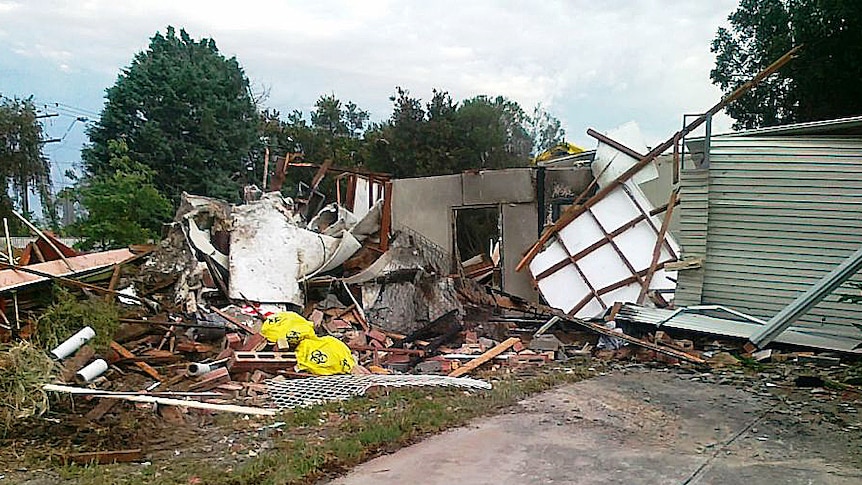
<point x="602" y="256"/>
<point x="269" y="254"/>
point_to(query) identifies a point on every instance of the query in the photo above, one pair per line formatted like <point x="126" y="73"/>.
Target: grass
<point x="24" y="369"/>
<point x="328" y="439"/>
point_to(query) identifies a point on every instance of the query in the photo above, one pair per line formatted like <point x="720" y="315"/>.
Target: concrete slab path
<point x="633" y="427"/>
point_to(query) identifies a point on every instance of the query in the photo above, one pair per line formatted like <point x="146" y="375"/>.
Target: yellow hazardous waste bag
<point x="289" y="325"/>
<point x="324" y="356"/>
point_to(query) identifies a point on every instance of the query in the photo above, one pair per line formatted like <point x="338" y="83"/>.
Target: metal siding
<point x="694" y="197"/>
<point x="783" y="212"/>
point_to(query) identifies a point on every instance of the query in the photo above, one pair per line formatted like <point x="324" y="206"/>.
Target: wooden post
<point x="124" y="353"/>
<point x="386" y="217"/>
<point x="41" y="235"/>
<point x="656" y="251"/>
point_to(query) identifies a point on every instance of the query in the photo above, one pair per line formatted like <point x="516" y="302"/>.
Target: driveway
<point x="642" y="426"/>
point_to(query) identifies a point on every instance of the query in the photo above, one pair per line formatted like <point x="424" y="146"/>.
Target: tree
<point x="442" y="136"/>
<point x="123" y="207"/>
<point x="337" y="129"/>
<point x="22" y="164"/>
<point x="186" y="113"/>
<point x="822" y="83"/>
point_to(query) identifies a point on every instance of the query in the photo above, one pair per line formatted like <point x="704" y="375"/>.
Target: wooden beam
<point x="490" y="354"/>
<point x="656" y="250"/>
<point x="105" y="457"/>
<point x="115" y="278"/>
<point x="41" y="235"/>
<point x="123" y="352"/>
<point x="162" y="400"/>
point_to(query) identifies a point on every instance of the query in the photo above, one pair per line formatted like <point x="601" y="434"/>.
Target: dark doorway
<point x="478" y="239"/>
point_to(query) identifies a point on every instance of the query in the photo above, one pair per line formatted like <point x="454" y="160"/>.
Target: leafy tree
<point x="186" y="113"/>
<point x="22" y="164"/>
<point x="442" y="136"/>
<point x="123" y="207"/>
<point x="822" y="83"/>
<point x="338" y="129"/>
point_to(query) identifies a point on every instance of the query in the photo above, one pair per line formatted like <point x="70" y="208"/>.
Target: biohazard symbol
<point x="292" y="337"/>
<point x="318" y="357"/>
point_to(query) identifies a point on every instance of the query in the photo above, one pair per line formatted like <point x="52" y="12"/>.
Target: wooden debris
<point x="105" y="457"/>
<point x="230" y="408"/>
<point x="102" y="408"/>
<point x="211" y="379"/>
<point x="124" y="353"/>
<point x="490" y="354"/>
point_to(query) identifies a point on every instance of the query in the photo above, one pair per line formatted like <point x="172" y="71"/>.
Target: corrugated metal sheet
<point x="694" y="205"/>
<point x="794" y="335"/>
<point x="783" y="211"/>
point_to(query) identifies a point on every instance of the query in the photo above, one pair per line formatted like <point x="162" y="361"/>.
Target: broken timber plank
<point x="115" y="278"/>
<point x="105" y="457"/>
<point x="490" y="354"/>
<point x="123" y="352"/>
<point x="234" y="321"/>
<point x="103" y="407"/>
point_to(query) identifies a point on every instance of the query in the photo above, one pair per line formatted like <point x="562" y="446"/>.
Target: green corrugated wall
<point x="781" y="212"/>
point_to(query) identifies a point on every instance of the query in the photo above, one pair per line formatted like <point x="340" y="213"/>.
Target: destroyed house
<point x="516" y="201"/>
<point x="766" y="213"/>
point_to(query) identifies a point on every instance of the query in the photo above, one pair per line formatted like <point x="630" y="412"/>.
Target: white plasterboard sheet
<point x="580" y="234"/>
<point x="627" y="293"/>
<point x="551" y="255"/>
<point x="615" y="210"/>
<point x="630" y="136"/>
<point x="564" y="289"/>
<point x="637" y="244"/>
<point x="604" y="267"/>
<point x="361" y="201"/>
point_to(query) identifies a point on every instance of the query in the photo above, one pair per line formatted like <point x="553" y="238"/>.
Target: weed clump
<point x="24" y="369"/>
<point x="68" y="314"/>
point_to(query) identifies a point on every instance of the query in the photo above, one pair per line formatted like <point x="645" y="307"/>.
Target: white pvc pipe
<point x="74" y="343"/>
<point x="92" y="371"/>
<point x="196" y="369"/>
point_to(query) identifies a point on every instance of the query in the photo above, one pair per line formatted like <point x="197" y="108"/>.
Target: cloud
<point x="590" y="63"/>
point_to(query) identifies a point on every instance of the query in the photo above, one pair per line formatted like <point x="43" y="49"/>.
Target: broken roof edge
<point x="11" y="279"/>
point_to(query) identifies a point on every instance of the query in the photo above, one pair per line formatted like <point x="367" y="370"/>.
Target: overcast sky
<point x="591" y="64"/>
